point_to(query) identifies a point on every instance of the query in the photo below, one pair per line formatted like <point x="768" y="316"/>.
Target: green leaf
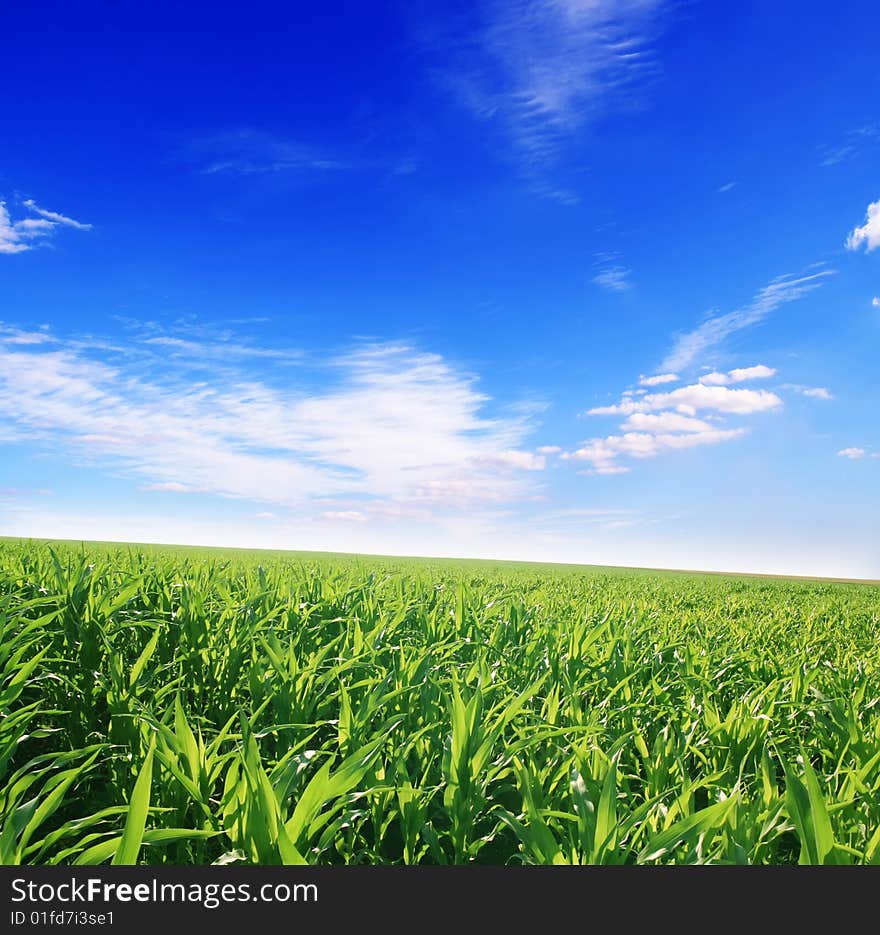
<point x="138" y="808"/>
<point x="325" y="786"/>
<point x="713" y="816"/>
<point x="144" y="657"/>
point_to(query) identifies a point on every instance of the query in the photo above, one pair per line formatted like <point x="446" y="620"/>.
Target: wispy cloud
<point x="664" y="422"/>
<point x="219" y="349"/>
<point x="876" y="301"/>
<point x="814" y="392"/>
<point x="19" y="493"/>
<point x="854" y="454"/>
<point x="513" y="460"/>
<point x="389" y="424"/>
<point x="199" y="349"/>
<point x="595" y="518"/>
<point x="614" y="278"/>
<point x="834" y="155"/>
<point x="729" y="186"/>
<point x="853" y="144"/>
<point x="868" y="235"/>
<point x="544" y="68"/>
<point x="28" y="232"/>
<point x="248" y="151"/>
<point x="692" y="345"/>
<point x="54" y="217"/>
<point x="11" y="335"/>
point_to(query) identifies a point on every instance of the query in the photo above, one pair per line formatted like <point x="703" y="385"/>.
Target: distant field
<point x="179" y="705"/>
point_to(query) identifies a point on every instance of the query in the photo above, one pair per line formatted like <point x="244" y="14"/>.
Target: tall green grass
<point x="177" y="706"/>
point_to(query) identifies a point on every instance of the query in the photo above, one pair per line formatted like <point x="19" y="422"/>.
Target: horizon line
<point x="871" y="582"/>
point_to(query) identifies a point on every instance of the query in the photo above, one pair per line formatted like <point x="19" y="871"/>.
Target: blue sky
<point x="562" y="280"/>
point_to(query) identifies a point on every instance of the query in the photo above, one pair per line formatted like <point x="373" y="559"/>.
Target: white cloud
<point x="549" y="450"/>
<point x="602" y="453"/>
<point x="19" y="236"/>
<point x="726" y="187"/>
<point x="852" y="453"/>
<point x="868" y="235"/>
<point x="739" y="375"/>
<point x="266" y="514"/>
<point x="12" y="238"/>
<point x="758" y="372"/>
<point x="389" y="423"/>
<point x="695" y="397"/>
<point x="876" y="301"/>
<point x="658" y="379"/>
<point x="345" y="516"/>
<point x="657" y="423"/>
<point x="692" y="345"/>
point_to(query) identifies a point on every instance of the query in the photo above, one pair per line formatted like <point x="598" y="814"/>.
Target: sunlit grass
<point x="178" y="706"/>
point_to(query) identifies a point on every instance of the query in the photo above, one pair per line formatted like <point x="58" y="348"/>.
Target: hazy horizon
<point x="503" y="560"/>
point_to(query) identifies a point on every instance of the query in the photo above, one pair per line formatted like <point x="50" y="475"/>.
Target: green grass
<point x="170" y="705"/>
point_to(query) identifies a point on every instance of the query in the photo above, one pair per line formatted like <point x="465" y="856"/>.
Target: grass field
<point x="163" y="705"/>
